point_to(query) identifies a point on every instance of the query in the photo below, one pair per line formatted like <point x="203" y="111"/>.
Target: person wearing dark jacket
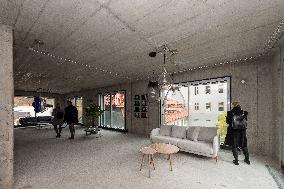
<point x="71" y="117"/>
<point x="237" y="136"/>
<point x="57" y="122"/>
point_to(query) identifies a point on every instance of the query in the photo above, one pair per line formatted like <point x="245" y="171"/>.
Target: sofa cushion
<point x="165" y="139"/>
<point x="192" y="133"/>
<point x="207" y="134"/>
<point x="166" y="130"/>
<point x="178" y="132"/>
<point x="199" y="147"/>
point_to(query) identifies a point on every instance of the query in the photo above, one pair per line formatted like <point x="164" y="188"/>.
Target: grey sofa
<point x="197" y="140"/>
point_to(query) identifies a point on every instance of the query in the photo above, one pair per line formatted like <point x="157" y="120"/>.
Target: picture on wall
<point x="140" y="105"/>
<point x="143" y="97"/>
<point x="143" y="115"/>
<point x="143" y="103"/>
<point x="136" y="97"/>
<point x="136" y="103"/>
<point x="137" y="109"/>
<point x="144" y="109"/>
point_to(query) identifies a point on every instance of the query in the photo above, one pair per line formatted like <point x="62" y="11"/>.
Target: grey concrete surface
<point x="6" y="107"/>
<point x="112" y="161"/>
<point x="256" y="96"/>
<point x="117" y="35"/>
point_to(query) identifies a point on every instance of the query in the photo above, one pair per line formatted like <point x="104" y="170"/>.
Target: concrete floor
<point x="112" y="161"/>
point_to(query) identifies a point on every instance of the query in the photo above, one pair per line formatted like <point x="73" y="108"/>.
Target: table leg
<point x="149" y="164"/>
<point x="152" y="160"/>
<point x="142" y="162"/>
<point x="168" y="157"/>
<point x="171" y="166"/>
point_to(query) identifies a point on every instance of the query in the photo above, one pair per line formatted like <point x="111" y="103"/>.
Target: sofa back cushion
<point x="178" y="132"/>
<point x="166" y="130"/>
<point x="192" y="133"/>
<point x="207" y="134"/>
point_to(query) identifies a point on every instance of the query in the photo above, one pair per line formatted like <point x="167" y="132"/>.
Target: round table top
<point x="148" y="150"/>
<point x="164" y="148"/>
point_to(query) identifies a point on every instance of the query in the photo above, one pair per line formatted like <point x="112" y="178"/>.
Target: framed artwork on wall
<point x="140" y="106"/>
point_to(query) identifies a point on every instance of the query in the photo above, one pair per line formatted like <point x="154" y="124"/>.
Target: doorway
<point x="113" y="104"/>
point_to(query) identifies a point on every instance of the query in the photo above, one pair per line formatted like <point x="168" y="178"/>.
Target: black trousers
<point x="58" y="128"/>
<point x="239" y="140"/>
<point x="72" y="129"/>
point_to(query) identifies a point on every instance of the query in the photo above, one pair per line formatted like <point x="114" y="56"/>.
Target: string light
<point x="272" y="40"/>
<point x="75" y="62"/>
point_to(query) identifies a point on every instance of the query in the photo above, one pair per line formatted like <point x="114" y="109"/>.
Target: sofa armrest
<point x="155" y="132"/>
<point x="215" y="146"/>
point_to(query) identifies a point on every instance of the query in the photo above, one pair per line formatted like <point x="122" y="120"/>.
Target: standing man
<point x="237" y="120"/>
<point x="57" y="120"/>
<point x="71" y="117"/>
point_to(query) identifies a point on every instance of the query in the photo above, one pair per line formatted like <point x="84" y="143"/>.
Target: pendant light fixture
<point x="165" y="80"/>
<point x="153" y="90"/>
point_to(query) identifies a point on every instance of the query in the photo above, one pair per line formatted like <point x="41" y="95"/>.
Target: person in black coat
<point x="57" y="120"/>
<point x="71" y="117"/>
<point x="237" y="138"/>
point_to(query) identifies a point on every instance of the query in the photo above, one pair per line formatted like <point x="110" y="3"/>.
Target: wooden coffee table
<point x="167" y="149"/>
<point x="147" y="151"/>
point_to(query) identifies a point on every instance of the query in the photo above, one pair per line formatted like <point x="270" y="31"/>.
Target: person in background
<point x="71" y="117"/>
<point x="237" y="121"/>
<point x="57" y="122"/>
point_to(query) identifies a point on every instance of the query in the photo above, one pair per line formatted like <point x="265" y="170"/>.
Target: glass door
<point x="106" y="107"/>
<point x="113" y="105"/>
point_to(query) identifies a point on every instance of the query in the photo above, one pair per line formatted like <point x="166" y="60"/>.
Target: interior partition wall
<point x="113" y="104"/>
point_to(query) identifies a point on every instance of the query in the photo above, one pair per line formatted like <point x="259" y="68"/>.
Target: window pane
<point x="176" y="107"/>
<point x="106" y="114"/>
<point x="207" y="109"/>
<point x="204" y="108"/>
<point x="118" y="110"/>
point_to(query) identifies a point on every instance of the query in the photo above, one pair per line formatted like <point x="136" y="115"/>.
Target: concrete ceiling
<point x="117" y="35"/>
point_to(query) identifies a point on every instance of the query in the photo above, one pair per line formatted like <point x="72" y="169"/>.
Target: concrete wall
<point x="277" y="63"/>
<point x="255" y="96"/>
<point x="6" y="107"/>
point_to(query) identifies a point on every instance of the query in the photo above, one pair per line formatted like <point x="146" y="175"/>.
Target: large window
<point x="23" y="108"/>
<point x="186" y="108"/>
<point x="113" y="105"/>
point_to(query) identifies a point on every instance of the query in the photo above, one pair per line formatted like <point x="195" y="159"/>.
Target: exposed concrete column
<point x="6" y="107"/>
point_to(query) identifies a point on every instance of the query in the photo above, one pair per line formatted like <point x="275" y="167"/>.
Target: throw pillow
<point x="192" y="133"/>
<point x="178" y="132"/>
<point x="207" y="134"/>
<point x="166" y="130"/>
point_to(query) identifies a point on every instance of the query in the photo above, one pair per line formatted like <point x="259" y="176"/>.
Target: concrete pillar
<point x="6" y="107"/>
